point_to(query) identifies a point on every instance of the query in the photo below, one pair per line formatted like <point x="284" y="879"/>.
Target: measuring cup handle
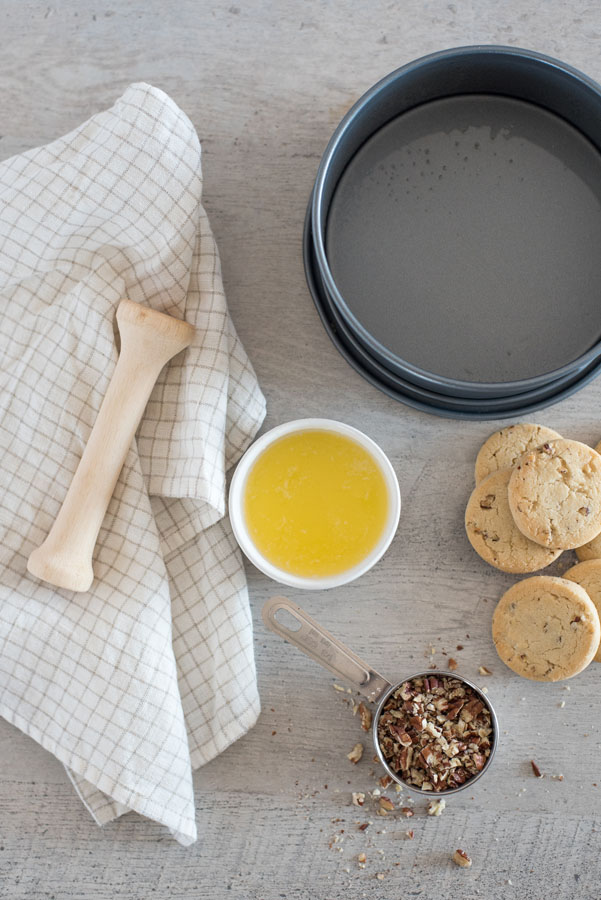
<point x="322" y="647"/>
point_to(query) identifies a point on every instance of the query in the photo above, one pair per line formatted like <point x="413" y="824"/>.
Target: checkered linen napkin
<point x="151" y="673"/>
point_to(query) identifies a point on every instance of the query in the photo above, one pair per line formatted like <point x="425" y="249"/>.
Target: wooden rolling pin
<point x="149" y="340"/>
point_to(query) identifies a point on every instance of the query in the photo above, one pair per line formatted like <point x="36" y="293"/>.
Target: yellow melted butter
<point x="315" y="503"/>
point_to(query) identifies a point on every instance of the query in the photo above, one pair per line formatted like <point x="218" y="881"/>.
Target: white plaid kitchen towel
<point x="151" y="673"/>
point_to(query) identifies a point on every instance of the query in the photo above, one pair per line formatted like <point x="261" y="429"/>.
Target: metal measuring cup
<point x="325" y="649"/>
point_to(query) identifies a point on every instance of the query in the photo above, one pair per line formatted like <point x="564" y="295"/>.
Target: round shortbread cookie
<point x="592" y="549"/>
<point x="493" y="533"/>
<point x="555" y="494"/>
<point x="503" y="448"/>
<point x="546" y="628"/>
<point x="588" y="575"/>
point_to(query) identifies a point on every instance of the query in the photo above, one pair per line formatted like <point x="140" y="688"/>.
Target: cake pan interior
<point x="413" y="395"/>
<point x="457" y="218"/>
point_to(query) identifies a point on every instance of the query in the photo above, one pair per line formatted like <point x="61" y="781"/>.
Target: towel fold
<point x="151" y="673"/>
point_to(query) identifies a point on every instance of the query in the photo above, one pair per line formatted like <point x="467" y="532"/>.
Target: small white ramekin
<point x="236" y="504"/>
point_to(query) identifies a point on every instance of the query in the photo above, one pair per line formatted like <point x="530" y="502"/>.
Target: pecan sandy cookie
<point x="555" y="494"/>
<point x="493" y="533"/>
<point x="546" y="628"/>
<point x="588" y="575"/>
<point x="592" y="549"/>
<point x="504" y="447"/>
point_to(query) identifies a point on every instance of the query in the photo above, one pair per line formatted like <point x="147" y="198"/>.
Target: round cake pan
<point x="410" y="394"/>
<point x="456" y="220"/>
<point x="490" y="406"/>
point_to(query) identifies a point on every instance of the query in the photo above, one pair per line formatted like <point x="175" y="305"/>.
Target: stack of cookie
<point x="490" y="526"/>
<point x="537" y="495"/>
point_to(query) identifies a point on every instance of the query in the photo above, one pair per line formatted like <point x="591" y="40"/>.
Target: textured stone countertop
<point x="265" y="83"/>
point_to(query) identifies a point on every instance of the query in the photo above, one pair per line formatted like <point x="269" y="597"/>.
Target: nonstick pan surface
<point x="410" y="394"/>
<point x="456" y="222"/>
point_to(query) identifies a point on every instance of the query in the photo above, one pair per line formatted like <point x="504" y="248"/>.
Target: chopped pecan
<point x="455" y="708"/>
<point x="365" y="715"/>
<point x="355" y="754"/>
<point x="479" y="761"/>
<point x="458" y="776"/>
<point x="417" y="722"/>
<point x="430" y="755"/>
<point x="404" y="739"/>
<point x="462" y="859"/>
<point x="438" y="739"/>
<point x="471" y="710"/>
<point x="436" y="807"/>
<point x="405" y="758"/>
